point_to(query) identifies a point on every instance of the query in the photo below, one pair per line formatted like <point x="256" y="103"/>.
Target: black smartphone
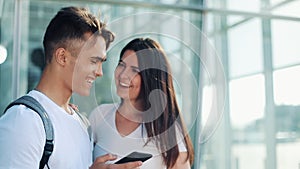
<point x="134" y="156"/>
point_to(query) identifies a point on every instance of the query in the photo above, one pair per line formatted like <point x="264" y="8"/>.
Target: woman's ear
<point x="60" y="56"/>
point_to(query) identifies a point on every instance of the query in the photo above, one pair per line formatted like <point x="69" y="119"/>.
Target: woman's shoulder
<point x="106" y="106"/>
<point x="104" y="109"/>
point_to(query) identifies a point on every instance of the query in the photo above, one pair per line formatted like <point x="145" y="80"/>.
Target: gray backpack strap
<point x="34" y="105"/>
<point x="82" y="117"/>
<point x="84" y="120"/>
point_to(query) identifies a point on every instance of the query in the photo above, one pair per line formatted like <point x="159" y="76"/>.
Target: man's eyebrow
<point x="101" y="59"/>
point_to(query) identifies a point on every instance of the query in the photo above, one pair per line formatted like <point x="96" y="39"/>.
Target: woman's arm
<point x="182" y="162"/>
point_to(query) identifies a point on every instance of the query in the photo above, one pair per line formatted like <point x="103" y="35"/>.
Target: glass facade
<point x="235" y="66"/>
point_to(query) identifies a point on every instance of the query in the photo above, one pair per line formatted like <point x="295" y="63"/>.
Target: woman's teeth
<point x="124" y="84"/>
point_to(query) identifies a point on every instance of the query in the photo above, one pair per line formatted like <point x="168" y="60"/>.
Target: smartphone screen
<point x="134" y="156"/>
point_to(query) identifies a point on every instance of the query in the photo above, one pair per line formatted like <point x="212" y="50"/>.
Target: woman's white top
<point x="108" y="139"/>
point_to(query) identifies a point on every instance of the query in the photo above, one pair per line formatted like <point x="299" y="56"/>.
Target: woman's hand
<point x="99" y="163"/>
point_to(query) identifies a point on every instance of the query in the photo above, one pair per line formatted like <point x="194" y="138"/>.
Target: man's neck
<point x="55" y="90"/>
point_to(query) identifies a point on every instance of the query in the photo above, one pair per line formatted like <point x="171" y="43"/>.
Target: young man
<point x="75" y="46"/>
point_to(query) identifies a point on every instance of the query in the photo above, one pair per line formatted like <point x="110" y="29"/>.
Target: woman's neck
<point x="131" y="111"/>
<point x="128" y="118"/>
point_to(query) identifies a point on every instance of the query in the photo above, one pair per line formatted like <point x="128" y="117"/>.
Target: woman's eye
<point x="136" y="70"/>
<point x="121" y="64"/>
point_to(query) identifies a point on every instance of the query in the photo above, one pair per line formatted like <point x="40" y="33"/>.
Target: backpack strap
<point x="34" y="105"/>
<point x="82" y="117"/>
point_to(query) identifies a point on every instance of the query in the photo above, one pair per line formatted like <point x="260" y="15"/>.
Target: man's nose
<point x="99" y="71"/>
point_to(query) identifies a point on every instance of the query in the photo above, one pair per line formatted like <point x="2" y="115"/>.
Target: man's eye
<point x="104" y="60"/>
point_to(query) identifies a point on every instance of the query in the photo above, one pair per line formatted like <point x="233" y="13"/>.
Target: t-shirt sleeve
<point x="22" y="138"/>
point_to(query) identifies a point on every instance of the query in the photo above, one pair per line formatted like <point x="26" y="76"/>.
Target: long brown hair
<point x="162" y="117"/>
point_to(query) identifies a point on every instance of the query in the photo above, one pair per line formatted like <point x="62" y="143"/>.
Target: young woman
<point x="148" y="118"/>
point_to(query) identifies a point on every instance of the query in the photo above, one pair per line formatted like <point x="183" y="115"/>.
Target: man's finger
<point x="104" y="158"/>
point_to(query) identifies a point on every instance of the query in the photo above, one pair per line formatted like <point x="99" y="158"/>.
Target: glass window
<point x="245" y="54"/>
<point x="244" y="5"/>
<point x="249" y="156"/>
<point x="287" y="115"/>
<point x="247" y="100"/>
<point x="236" y="5"/>
<point x="287" y="8"/>
<point x="7" y="43"/>
<point x="286" y="86"/>
<point x="274" y="2"/>
<point x="285" y="40"/>
<point x="247" y="103"/>
<point x="288" y="155"/>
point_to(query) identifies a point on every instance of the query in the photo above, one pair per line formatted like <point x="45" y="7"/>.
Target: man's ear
<point x="60" y="56"/>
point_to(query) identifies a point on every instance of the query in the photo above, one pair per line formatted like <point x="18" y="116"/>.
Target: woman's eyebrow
<point x="134" y="67"/>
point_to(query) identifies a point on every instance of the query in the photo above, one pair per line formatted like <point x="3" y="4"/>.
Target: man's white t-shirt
<point x="108" y="139"/>
<point x="23" y="138"/>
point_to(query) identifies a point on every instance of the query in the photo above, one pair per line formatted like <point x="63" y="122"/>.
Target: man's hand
<point x="99" y="163"/>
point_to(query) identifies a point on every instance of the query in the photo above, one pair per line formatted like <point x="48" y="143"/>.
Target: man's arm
<point x="22" y="138"/>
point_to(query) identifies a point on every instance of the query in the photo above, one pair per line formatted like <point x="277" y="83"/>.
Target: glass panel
<point x="290" y="8"/>
<point x="287" y="114"/>
<point x="285" y="40"/>
<point x="247" y="102"/>
<point x="288" y="154"/>
<point x="232" y="20"/>
<point x="236" y="5"/>
<point x="244" y="5"/>
<point x="286" y="86"/>
<point x="274" y="2"/>
<point x="249" y="156"/>
<point x="6" y="41"/>
<point x="167" y="2"/>
<point x="245" y="54"/>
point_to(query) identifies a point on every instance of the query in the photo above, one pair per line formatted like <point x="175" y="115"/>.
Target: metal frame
<point x="263" y="14"/>
<point x="16" y="50"/>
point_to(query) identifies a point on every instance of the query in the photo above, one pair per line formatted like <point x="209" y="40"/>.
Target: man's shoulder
<point x="21" y="119"/>
<point x="21" y="130"/>
<point x="21" y="111"/>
